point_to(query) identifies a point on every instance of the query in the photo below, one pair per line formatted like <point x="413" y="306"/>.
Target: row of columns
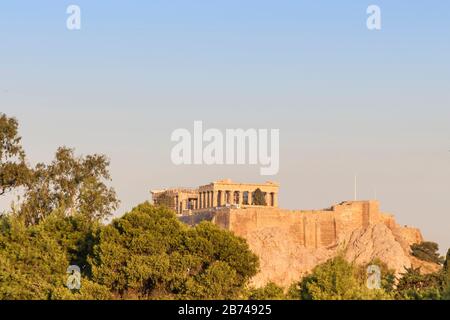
<point x="190" y="203"/>
<point x="211" y="199"/>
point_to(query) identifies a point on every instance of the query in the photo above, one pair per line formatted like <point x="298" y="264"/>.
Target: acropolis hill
<point x="290" y="243"/>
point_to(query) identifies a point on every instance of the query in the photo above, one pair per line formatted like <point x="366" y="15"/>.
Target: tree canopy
<point x="34" y="260"/>
<point x="13" y="170"/>
<point x="414" y="285"/>
<point x="338" y="279"/>
<point x="271" y="291"/>
<point x="72" y="184"/>
<point x="69" y="184"/>
<point x="427" y="251"/>
<point x="148" y="253"/>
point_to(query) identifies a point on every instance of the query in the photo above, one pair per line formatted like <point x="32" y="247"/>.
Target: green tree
<point x="150" y="254"/>
<point x="212" y="244"/>
<point x="388" y="278"/>
<point x="294" y="291"/>
<point x="33" y="265"/>
<point x="427" y="251"/>
<point x="337" y="279"/>
<point x="164" y="200"/>
<point x="218" y="281"/>
<point x="69" y="184"/>
<point x="413" y="285"/>
<point x="76" y="235"/>
<point x="29" y="262"/>
<point x="259" y="198"/>
<point x="13" y="170"/>
<point x="89" y="291"/>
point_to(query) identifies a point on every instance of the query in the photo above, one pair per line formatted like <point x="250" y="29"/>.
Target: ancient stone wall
<point x="312" y="229"/>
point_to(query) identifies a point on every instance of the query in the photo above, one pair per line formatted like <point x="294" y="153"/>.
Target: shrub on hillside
<point x="427" y="251"/>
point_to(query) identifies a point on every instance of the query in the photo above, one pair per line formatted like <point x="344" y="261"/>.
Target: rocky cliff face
<point x="291" y="243"/>
<point x="377" y="241"/>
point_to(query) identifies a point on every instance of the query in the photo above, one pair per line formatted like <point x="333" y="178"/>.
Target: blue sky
<point x="346" y="100"/>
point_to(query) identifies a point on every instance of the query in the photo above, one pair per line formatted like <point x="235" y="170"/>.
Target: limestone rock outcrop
<point x="377" y="241"/>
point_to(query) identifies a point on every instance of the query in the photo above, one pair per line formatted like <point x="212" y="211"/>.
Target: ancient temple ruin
<point x="218" y="194"/>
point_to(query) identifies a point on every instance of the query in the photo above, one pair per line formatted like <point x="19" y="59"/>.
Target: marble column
<point x="211" y="196"/>
<point x="214" y="196"/>
<point x="202" y="200"/>
<point x="211" y="199"/>
<point x="222" y="198"/>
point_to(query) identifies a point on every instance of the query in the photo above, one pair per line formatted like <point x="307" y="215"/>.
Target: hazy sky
<point x="346" y="100"/>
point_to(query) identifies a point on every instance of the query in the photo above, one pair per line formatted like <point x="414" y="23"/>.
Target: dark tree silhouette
<point x="259" y="198"/>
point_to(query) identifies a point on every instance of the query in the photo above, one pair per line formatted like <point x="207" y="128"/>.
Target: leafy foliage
<point x="76" y="235"/>
<point x="414" y="285"/>
<point x="148" y="253"/>
<point x="33" y="264"/>
<point x="337" y="279"/>
<point x="427" y="251"/>
<point x="71" y="184"/>
<point x="270" y="291"/>
<point x="13" y="170"/>
<point x="388" y="278"/>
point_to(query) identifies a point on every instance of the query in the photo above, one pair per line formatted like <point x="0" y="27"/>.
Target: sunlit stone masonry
<point x="218" y="194"/>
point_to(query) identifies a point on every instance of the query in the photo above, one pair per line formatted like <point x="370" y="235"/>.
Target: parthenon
<point x="221" y="193"/>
